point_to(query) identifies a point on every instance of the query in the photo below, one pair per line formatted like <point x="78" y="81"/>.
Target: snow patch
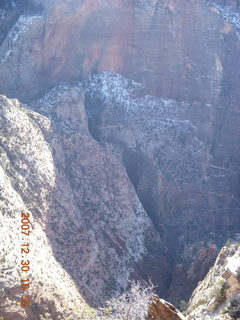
<point x="233" y="264"/>
<point x="127" y="95"/>
<point x="23" y="25"/>
<point x="229" y="14"/>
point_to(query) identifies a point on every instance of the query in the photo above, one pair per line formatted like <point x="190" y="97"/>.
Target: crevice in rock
<point x="139" y="169"/>
<point x="95" y="118"/>
<point x="143" y="178"/>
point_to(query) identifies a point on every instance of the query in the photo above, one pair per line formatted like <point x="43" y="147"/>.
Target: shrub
<point x="219" y="293"/>
<point x="228" y="243"/>
<point x="195" y="306"/>
<point x="133" y="304"/>
<point x="182" y="305"/>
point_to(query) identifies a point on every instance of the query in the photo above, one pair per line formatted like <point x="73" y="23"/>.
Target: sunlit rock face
<point x="27" y="183"/>
<point x="89" y="228"/>
<point x="218" y="295"/>
<point x="178" y="49"/>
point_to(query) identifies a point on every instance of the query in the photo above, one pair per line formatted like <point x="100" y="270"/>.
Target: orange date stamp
<point x="25" y="265"/>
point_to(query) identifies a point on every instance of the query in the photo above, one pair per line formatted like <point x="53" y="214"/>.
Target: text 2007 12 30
<point x="25" y="263"/>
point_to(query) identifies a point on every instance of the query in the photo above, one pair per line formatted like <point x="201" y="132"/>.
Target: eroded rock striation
<point x="167" y="154"/>
<point x="127" y="152"/>
<point x="177" y="49"/>
<point x="27" y="181"/>
<point x="88" y="223"/>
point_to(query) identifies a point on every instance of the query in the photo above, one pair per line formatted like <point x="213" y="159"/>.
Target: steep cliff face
<point x="172" y="168"/>
<point x="27" y="180"/>
<point x="97" y="225"/>
<point x="120" y="183"/>
<point x="218" y="295"/>
<point x="178" y="49"/>
<point x="88" y="223"/>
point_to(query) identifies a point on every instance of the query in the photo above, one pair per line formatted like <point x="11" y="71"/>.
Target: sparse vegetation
<point x="219" y="293"/>
<point x="195" y="306"/>
<point x="228" y="243"/>
<point x="182" y="305"/>
<point x="131" y="305"/>
<point x="2" y="260"/>
<point x="46" y="316"/>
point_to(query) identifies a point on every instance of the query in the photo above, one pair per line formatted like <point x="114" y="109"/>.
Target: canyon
<point x="120" y="127"/>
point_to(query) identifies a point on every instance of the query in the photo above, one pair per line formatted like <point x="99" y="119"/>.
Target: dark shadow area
<point x="143" y="177"/>
<point x="10" y="11"/>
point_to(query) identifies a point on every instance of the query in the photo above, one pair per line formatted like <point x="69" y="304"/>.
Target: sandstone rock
<point x="138" y="137"/>
<point x="27" y="179"/>
<point x="163" y="310"/>
<point x="93" y="195"/>
<point x="165" y="153"/>
<point x="84" y="218"/>
<point x="149" y="41"/>
<point x="196" y="262"/>
<point x="153" y="180"/>
<point x="217" y="296"/>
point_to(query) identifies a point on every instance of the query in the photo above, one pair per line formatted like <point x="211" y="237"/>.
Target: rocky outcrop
<point x="230" y="11"/>
<point x="93" y="194"/>
<point x="27" y="180"/>
<point x="170" y="163"/>
<point x="154" y="151"/>
<point x="89" y="227"/>
<point x="218" y="295"/>
<point x="162" y="310"/>
<point x="123" y="184"/>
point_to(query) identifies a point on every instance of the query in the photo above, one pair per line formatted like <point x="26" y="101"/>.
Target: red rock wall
<point x="176" y="48"/>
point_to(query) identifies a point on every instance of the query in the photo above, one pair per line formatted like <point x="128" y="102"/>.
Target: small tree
<point x="132" y="304"/>
<point x="182" y="305"/>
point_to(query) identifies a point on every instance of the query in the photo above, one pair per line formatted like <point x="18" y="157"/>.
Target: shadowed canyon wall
<point x="141" y="128"/>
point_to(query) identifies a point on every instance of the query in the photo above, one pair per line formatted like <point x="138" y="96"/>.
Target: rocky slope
<point x="87" y="222"/>
<point x="96" y="217"/>
<point x="131" y="172"/>
<point x="91" y="216"/>
<point x="218" y="295"/>
<point x="27" y="181"/>
<point x="161" y="142"/>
